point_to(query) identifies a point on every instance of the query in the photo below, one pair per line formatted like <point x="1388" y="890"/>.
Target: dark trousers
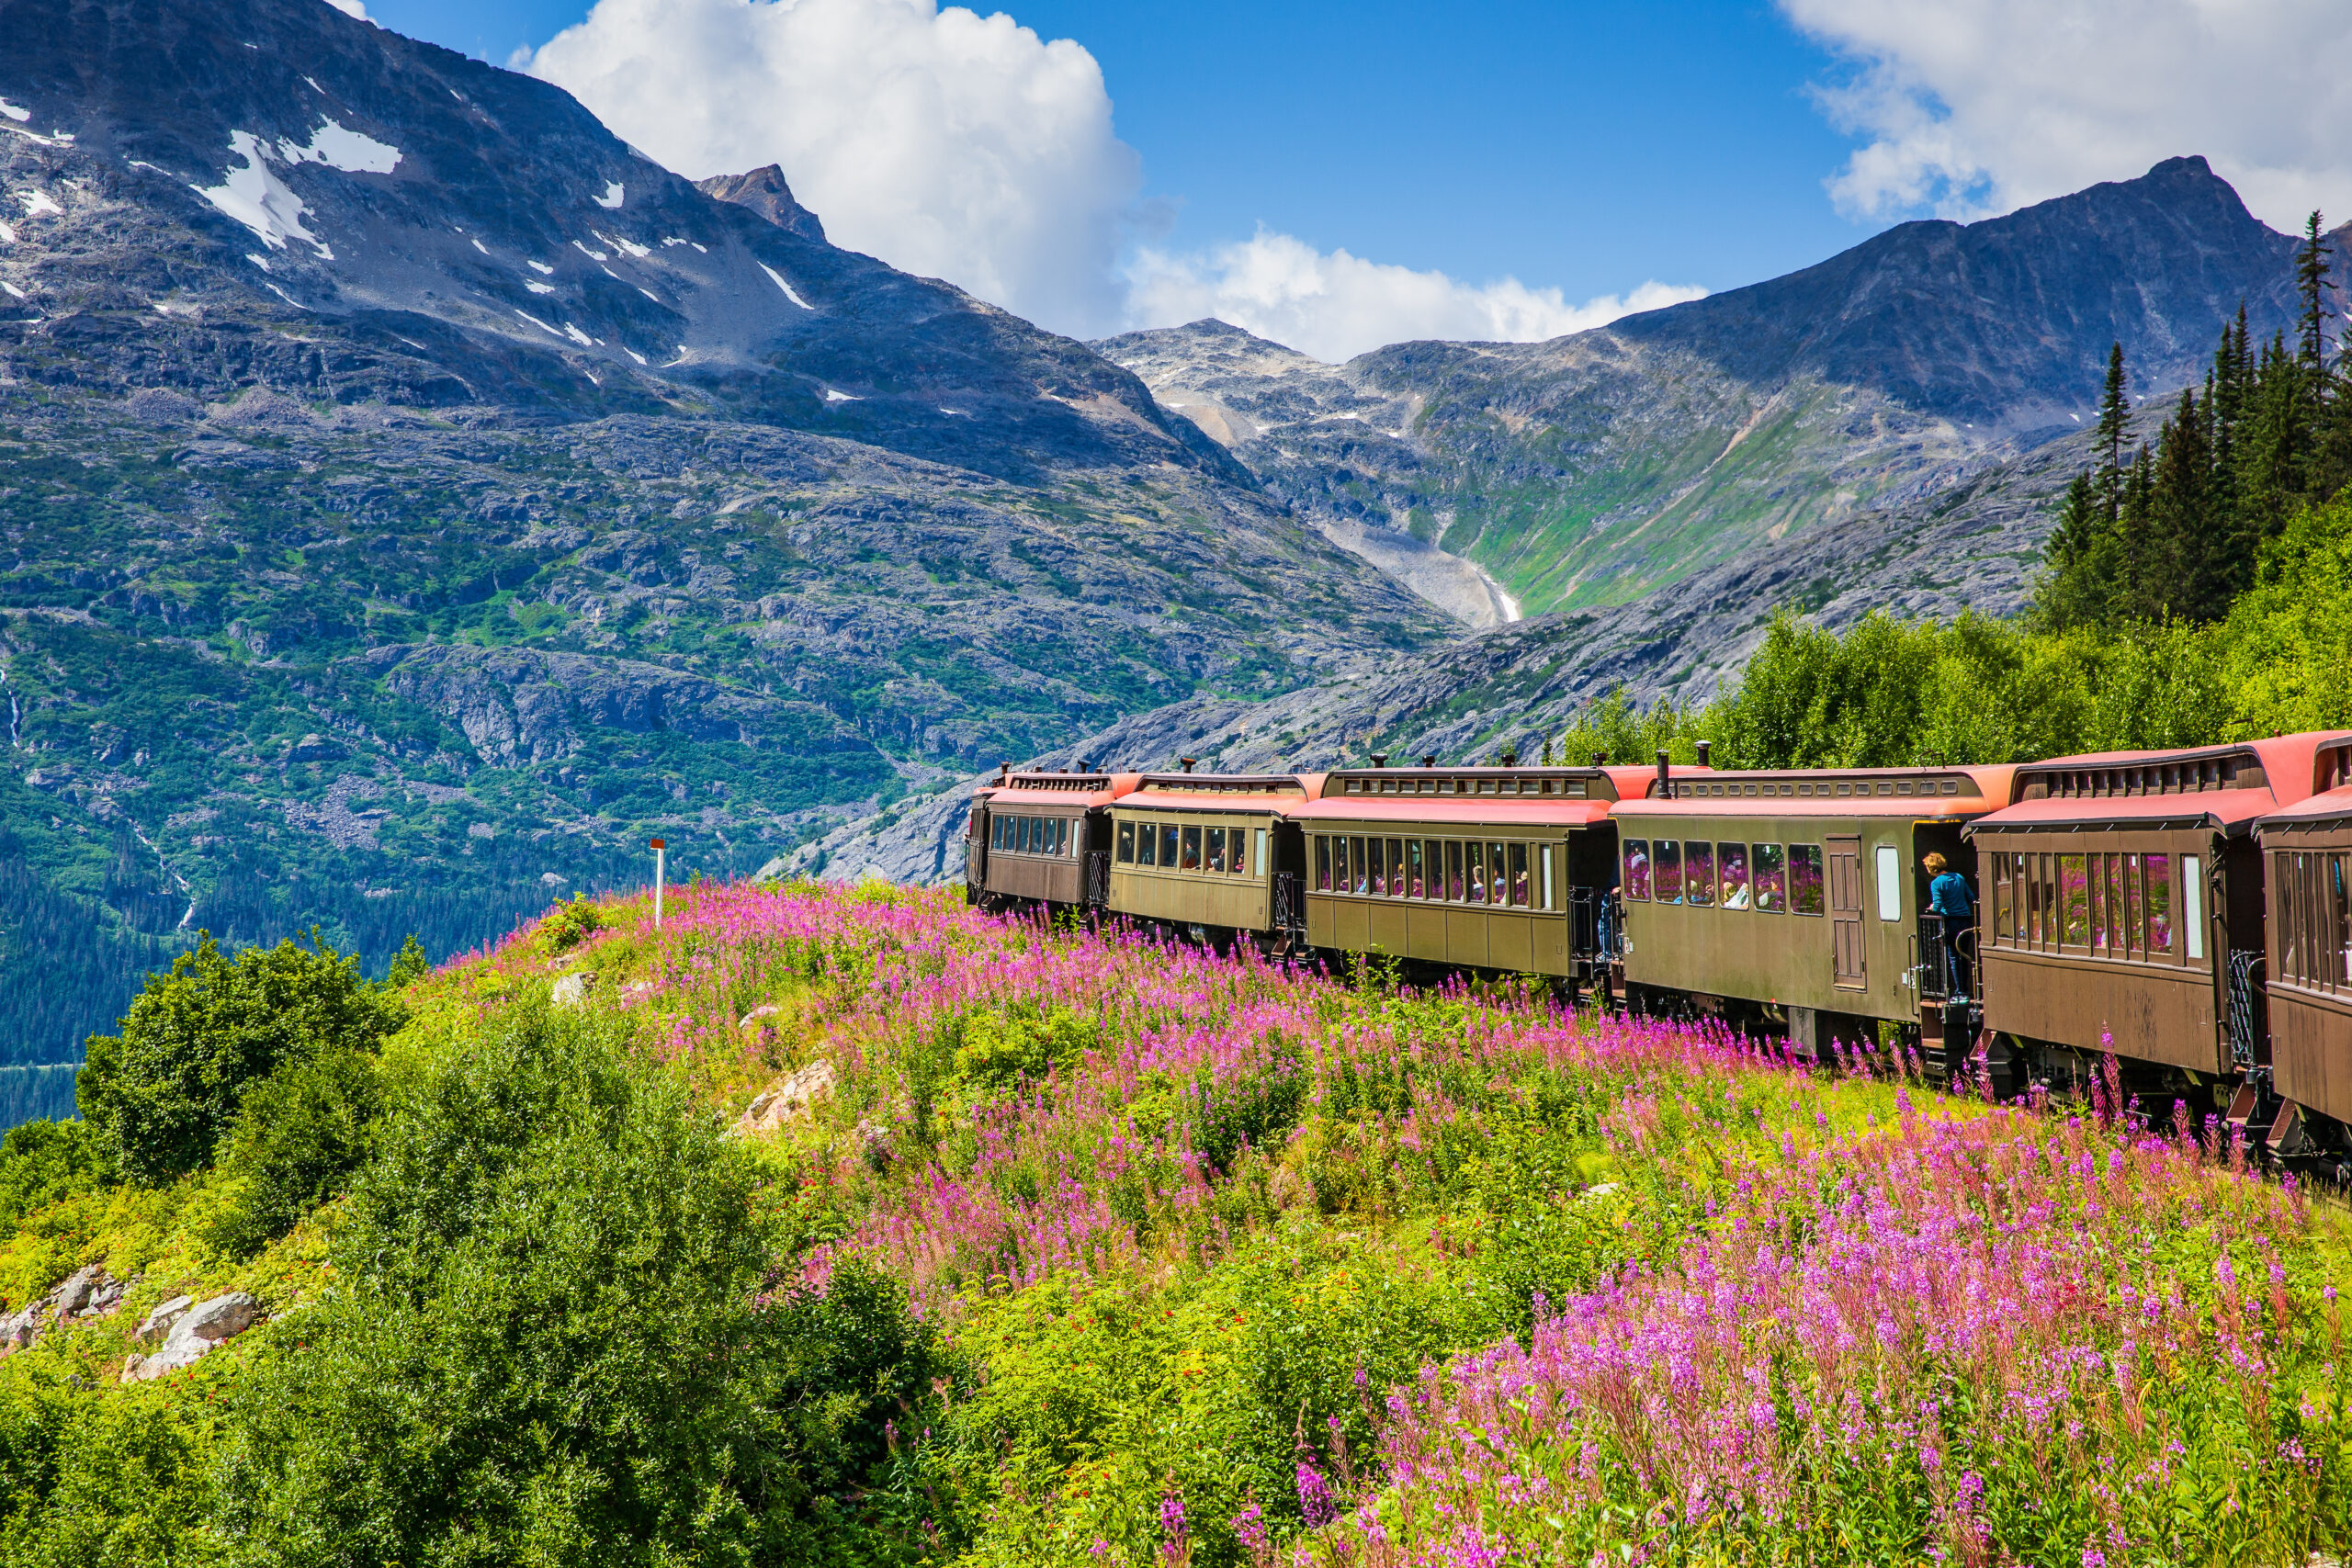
<point x="1956" y="962"/>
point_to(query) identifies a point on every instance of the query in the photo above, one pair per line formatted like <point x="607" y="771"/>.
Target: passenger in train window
<point x="1497" y="885"/>
<point x="1395" y="868"/>
<point x="1322" y="863"/>
<point x="1167" y="846"/>
<point x="1637" y="868"/>
<point x="1126" y="843"/>
<point x="1413" y="886"/>
<point x="1216" y="849"/>
<point x="1669" y="875"/>
<point x="1769" y="875"/>
<point x="1147" y="843"/>
<point x="1189" y="855"/>
<point x="1377" y="883"/>
<point x="1804" y="880"/>
<point x="1359" y="873"/>
<point x="1731" y="868"/>
<point x="1433" y="857"/>
<point x="1519" y="887"/>
<point x="1453" y="888"/>
<point x="1699" y="872"/>
<point x="1473" y="861"/>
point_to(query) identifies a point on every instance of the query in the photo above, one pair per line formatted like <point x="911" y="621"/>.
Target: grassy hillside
<point x="851" y="1226"/>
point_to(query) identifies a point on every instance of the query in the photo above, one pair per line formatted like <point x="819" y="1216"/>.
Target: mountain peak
<point x="766" y="193"/>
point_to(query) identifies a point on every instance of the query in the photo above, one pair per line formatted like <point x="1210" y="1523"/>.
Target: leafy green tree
<point x="158" y="1096"/>
<point x="565" y="1337"/>
<point x="299" y="1134"/>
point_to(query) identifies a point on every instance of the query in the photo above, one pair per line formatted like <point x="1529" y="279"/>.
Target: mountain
<point x="1596" y="468"/>
<point x="413" y="498"/>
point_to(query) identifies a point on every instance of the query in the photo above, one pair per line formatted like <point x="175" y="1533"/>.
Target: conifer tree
<point x="2189" y="563"/>
<point x="2311" y="286"/>
<point x="2114" y="427"/>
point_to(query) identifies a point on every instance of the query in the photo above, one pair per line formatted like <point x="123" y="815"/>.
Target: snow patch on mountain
<point x="339" y="147"/>
<point x="261" y="201"/>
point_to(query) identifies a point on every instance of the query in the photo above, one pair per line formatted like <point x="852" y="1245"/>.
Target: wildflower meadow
<point x="1232" y="1263"/>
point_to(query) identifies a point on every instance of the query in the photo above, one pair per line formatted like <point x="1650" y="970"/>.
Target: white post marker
<point x="658" y="878"/>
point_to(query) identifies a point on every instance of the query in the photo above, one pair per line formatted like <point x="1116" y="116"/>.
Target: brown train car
<point x="1040" y="838"/>
<point x="1501" y="868"/>
<point x="2308" y="971"/>
<point x="1208" y="853"/>
<point x="1794" y="898"/>
<point x="2122" y="905"/>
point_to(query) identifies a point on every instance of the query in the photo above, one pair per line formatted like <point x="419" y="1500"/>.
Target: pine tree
<point x="2078" y="585"/>
<point x="2137" y="594"/>
<point x="2312" y="287"/>
<point x="2114" y="428"/>
<point x="2189" y="565"/>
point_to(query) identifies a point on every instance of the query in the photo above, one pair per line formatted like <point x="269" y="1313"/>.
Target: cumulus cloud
<point x="1974" y="106"/>
<point x="355" y="9"/>
<point x="946" y="143"/>
<point x="1335" y="306"/>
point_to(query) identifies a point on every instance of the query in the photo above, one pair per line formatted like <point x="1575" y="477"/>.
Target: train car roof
<point x="1280" y="792"/>
<point x="1555" y="811"/>
<point x="2227" y="786"/>
<point x="1085" y="791"/>
<point x="1829" y="792"/>
<point x="2332" y="804"/>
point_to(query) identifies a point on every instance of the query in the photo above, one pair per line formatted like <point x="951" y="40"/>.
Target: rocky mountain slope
<point x="1595" y="469"/>
<point x="414" y="499"/>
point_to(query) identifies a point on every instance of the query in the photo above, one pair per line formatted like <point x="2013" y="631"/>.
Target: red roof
<point x="2221" y="807"/>
<point x="1985" y="790"/>
<point x="1014" y="794"/>
<point x="1558" y="811"/>
<point x="2336" y="804"/>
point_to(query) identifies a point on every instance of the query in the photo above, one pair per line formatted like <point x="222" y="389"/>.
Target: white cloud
<point x="1335" y="306"/>
<point x="1973" y="106"/>
<point x="355" y="9"/>
<point x="946" y="143"/>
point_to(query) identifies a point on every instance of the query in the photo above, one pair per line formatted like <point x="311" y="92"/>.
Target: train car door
<point x="1845" y="911"/>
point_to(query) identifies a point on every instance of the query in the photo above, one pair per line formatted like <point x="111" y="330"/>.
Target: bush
<point x="87" y="1481"/>
<point x="41" y="1162"/>
<point x="561" y="1340"/>
<point x="300" y="1134"/>
<point x="158" y="1096"/>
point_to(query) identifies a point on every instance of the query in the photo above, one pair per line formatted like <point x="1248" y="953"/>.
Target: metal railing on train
<point x="1096" y="892"/>
<point x="1290" y="902"/>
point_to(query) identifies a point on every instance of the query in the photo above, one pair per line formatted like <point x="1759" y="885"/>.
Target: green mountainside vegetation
<point x="849" y="1227"/>
<point x="2196" y="590"/>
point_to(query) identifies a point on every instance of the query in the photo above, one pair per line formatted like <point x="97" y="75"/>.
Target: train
<point x="2177" y="918"/>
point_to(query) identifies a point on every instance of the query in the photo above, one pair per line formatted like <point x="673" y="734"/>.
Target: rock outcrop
<point x="192" y="1332"/>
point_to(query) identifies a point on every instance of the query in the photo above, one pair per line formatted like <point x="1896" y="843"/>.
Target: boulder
<point x="194" y="1332"/>
<point x="572" y="991"/>
<point x="79" y="1288"/>
<point x="160" y="1320"/>
<point x="787" y="1096"/>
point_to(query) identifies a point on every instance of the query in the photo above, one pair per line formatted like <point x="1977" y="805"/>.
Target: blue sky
<point x="1586" y="147"/>
<point x="1340" y="176"/>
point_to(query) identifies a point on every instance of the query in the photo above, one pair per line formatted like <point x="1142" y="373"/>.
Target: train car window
<point x="1805" y="891"/>
<point x="1635" y="883"/>
<point x="1216" y="849"/>
<point x="996" y="832"/>
<point x="1147" y="843"/>
<point x="2075" y="902"/>
<point x="1416" y="886"/>
<point x="1731" y="872"/>
<point x="2135" y="909"/>
<point x="1548" y="903"/>
<point x="1769" y="871"/>
<point x="1359" y="876"/>
<point x="1699" y="872"/>
<point x="1453" y="870"/>
<point x="1377" y="882"/>
<point x="1473" y="864"/>
<point x="1167" y="846"/>
<point x="1126" y="843"/>
<point x="2192" y="907"/>
<point x="1433" y="860"/>
<point x="2101" y="870"/>
<point x="1887" y="866"/>
<point x="2005" y="890"/>
<point x="1497" y="883"/>
<point x="2156" y="871"/>
<point x="1396" y="868"/>
<point x="1322" y="863"/>
<point x="1189" y="854"/>
<point x="1666" y="879"/>
<point x="1520" y="890"/>
<point x="1262" y="851"/>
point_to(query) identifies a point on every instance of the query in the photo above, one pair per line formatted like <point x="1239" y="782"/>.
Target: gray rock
<point x="572" y="991"/>
<point x="165" y="1313"/>
<point x="798" y="1092"/>
<point x="80" y="1286"/>
<point x="194" y="1334"/>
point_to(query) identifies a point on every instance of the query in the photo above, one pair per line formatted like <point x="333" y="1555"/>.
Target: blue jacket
<point x="1948" y="895"/>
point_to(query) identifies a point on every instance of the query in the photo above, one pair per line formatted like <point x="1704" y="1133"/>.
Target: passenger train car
<point x="2184" y="911"/>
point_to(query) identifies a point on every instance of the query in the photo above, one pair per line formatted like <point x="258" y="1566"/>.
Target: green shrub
<point x="300" y="1134"/>
<point x="999" y="1049"/>
<point x="561" y="1340"/>
<point x="41" y="1162"/>
<point x="569" y="923"/>
<point x="93" y="1481"/>
<point x="158" y="1096"/>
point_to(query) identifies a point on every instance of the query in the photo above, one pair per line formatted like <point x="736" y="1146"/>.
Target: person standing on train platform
<point x="1955" y="908"/>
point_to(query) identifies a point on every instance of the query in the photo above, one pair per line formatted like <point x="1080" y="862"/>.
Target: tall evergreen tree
<point x="2311" y="286"/>
<point x="2189" y="566"/>
<point x="2114" y="428"/>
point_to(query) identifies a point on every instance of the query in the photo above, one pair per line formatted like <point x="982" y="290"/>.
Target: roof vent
<point x="1186" y="762"/>
<point x="1600" y="759"/>
<point x="1001" y="770"/>
<point x="1379" y="759"/>
<point x="1664" y="787"/>
<point x="1510" y="759"/>
<point x="1430" y="761"/>
<point x="1704" y="747"/>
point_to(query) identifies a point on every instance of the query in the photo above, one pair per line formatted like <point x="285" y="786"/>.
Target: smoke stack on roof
<point x="1379" y="759"/>
<point x="1186" y="762"/>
